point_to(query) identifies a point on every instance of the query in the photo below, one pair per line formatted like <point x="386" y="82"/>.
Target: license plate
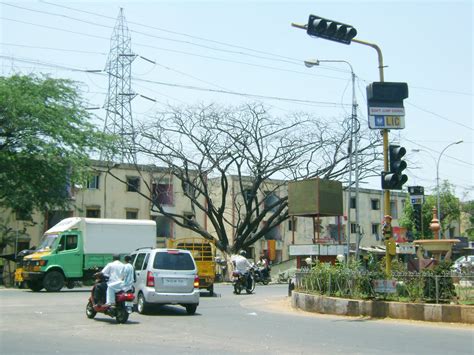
<point x="174" y="282"/>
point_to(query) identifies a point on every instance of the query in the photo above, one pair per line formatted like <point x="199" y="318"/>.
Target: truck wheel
<point x="53" y="281"/>
<point x="35" y="286"/>
<point x="211" y="290"/>
<point x="142" y="304"/>
<point x="191" y="308"/>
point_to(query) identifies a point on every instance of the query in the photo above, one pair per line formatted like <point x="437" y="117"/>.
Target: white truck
<point x="75" y="248"/>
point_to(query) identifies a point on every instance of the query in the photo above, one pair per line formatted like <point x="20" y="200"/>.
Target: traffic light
<point x="331" y="30"/>
<point x="394" y="179"/>
<point x="417" y="217"/>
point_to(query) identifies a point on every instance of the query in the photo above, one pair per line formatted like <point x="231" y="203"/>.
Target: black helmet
<point x="243" y="253"/>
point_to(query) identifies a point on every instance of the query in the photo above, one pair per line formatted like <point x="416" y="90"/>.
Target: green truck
<point x="76" y="248"/>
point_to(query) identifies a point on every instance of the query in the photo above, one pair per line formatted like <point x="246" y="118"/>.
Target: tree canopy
<point x="450" y="212"/>
<point x="226" y="157"/>
<point x="45" y="141"/>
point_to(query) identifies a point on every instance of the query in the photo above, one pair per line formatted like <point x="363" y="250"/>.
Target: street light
<point x="437" y="183"/>
<point x="314" y="62"/>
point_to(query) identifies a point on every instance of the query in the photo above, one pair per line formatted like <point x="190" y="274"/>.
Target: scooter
<point x="239" y="281"/>
<point x="123" y="304"/>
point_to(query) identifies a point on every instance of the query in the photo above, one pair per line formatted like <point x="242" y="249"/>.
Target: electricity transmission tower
<point x="118" y="120"/>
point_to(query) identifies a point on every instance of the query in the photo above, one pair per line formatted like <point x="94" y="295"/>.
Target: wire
<point x="59" y="66"/>
<point x="439" y="116"/>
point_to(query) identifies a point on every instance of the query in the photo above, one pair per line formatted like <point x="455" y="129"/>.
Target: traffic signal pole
<point x="342" y="33"/>
<point x="386" y="193"/>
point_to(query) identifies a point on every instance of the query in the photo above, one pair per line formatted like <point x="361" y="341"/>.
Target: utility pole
<point x="118" y="108"/>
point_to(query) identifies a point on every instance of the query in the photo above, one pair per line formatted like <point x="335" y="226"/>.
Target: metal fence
<point x="455" y="288"/>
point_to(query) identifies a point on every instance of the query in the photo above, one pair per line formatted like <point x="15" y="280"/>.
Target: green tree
<point x="45" y="139"/>
<point x="468" y="209"/>
<point x="450" y="212"/>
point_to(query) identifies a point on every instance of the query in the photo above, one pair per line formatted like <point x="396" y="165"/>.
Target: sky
<point x="235" y="52"/>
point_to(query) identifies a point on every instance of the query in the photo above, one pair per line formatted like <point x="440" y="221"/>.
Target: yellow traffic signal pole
<point x="389" y="243"/>
<point x="386" y="193"/>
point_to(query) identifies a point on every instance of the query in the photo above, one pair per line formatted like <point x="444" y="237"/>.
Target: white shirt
<point x="114" y="271"/>
<point x="241" y="263"/>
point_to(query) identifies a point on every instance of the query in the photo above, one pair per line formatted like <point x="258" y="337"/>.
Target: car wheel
<point x="53" y="281"/>
<point x="90" y="312"/>
<point x="191" y="308"/>
<point x="142" y="304"/>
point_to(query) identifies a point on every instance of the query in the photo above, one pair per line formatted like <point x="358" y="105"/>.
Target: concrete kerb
<point x="382" y="309"/>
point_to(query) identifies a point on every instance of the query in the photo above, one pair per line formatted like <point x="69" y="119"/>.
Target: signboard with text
<point x="386" y="117"/>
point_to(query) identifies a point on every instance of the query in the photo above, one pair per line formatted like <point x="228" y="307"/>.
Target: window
<point x="376" y="230"/>
<point x="93" y="212"/>
<point x="375" y="203"/>
<point x="163" y="194"/>
<point x="163" y="227"/>
<point x="271" y="201"/>
<point x="248" y="195"/>
<point x="353" y="202"/>
<point x="139" y="261"/>
<point x="93" y="182"/>
<point x="131" y="214"/>
<point x="173" y="261"/>
<point x="272" y="233"/>
<point x="22" y="215"/>
<point x="353" y="228"/>
<point x="71" y="242"/>
<point x="393" y="209"/>
<point x="292" y="224"/>
<point x="133" y="184"/>
<point x="189" y="218"/>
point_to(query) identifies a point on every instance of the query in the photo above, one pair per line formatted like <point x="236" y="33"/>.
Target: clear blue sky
<point x="251" y="48"/>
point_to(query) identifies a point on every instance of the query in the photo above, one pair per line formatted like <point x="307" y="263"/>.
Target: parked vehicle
<point x="239" y="281"/>
<point x="75" y="248"/>
<point x="262" y="275"/>
<point x="123" y="304"/>
<point x="165" y="276"/>
<point x="463" y="263"/>
<point x="203" y="253"/>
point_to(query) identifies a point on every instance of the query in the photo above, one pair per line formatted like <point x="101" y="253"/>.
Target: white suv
<point x="165" y="276"/>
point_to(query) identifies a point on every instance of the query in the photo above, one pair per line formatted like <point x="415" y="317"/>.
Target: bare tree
<point x="209" y="149"/>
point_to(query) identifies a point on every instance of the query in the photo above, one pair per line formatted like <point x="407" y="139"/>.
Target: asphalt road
<point x="264" y="323"/>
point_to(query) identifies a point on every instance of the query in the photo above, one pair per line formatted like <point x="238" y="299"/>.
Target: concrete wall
<point x="380" y="309"/>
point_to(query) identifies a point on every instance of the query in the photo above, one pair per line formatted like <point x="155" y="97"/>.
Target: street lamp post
<point x="353" y="136"/>
<point x="437" y="183"/>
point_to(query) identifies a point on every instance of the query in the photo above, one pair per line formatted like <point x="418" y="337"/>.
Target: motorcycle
<point x="239" y="281"/>
<point x="262" y="274"/>
<point x="123" y="304"/>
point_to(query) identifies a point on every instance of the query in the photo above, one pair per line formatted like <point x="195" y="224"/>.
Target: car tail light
<point x="150" y="279"/>
<point x="196" y="282"/>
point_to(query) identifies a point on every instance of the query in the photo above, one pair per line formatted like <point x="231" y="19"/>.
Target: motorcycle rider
<point x="114" y="271"/>
<point x="242" y="265"/>
<point x="263" y="267"/>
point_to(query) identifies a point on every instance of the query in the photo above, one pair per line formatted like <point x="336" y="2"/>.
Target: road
<point x="264" y="323"/>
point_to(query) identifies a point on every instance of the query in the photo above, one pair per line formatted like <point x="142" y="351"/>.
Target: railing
<point x="408" y="286"/>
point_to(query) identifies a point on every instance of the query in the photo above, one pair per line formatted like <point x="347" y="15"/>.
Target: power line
<point x="189" y="87"/>
<point x="439" y="116"/>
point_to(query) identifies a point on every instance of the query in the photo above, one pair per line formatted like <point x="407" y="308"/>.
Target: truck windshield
<point x="47" y="241"/>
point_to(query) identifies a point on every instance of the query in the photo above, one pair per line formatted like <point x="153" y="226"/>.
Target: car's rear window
<point x="173" y="261"/>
